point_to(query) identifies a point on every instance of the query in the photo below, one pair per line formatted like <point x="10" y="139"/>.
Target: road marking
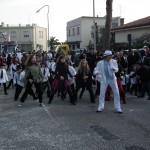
<point x="50" y="115"/>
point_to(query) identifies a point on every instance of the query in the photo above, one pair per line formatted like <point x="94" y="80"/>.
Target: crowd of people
<point x="113" y="74"/>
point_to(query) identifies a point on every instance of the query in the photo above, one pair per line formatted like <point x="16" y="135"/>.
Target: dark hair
<point x="19" y="67"/>
<point x="60" y="57"/>
<point x="29" y="61"/>
<point x="59" y="64"/>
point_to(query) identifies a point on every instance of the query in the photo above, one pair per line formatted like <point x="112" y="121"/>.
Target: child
<point x="51" y="64"/>
<point x="124" y="79"/>
<point x="12" y="71"/>
<point x="84" y="79"/>
<point x="61" y="82"/>
<point x="133" y="80"/>
<point x="72" y="80"/>
<point x="18" y="76"/>
<point x="46" y="74"/>
<point x="3" y="77"/>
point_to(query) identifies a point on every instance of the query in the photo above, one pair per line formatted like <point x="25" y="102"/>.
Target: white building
<point x="79" y="30"/>
<point x="27" y="37"/>
<point x="131" y="31"/>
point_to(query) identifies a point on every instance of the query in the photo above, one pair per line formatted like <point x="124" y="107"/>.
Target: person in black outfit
<point x="91" y="59"/>
<point x="33" y="75"/>
<point x="8" y="61"/>
<point x="144" y="73"/>
<point x="61" y="82"/>
<point x="84" y="80"/>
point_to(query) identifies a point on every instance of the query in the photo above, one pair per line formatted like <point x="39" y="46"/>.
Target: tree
<point x="99" y="37"/>
<point x="141" y="41"/>
<point x="53" y="42"/>
<point x="106" y="42"/>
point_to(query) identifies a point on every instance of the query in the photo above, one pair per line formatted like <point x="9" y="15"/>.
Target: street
<point x="62" y="126"/>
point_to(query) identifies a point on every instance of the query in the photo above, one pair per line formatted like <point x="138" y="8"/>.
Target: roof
<point x="137" y="23"/>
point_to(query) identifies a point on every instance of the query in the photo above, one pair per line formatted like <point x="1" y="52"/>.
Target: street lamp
<point x="94" y="39"/>
<point x="47" y="18"/>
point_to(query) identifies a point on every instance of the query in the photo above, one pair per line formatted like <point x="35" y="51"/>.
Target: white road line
<point x="50" y="115"/>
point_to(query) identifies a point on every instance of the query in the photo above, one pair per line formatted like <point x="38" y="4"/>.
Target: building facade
<point x="132" y="31"/>
<point x="27" y="37"/>
<point x="79" y="31"/>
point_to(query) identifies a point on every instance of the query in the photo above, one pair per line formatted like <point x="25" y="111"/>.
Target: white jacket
<point x="47" y="73"/>
<point x="18" y="77"/>
<point x="100" y="69"/>
<point x="12" y="68"/>
<point x="73" y="73"/>
<point x="4" y="78"/>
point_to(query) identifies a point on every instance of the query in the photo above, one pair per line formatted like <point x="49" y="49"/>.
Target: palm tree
<point x="53" y="42"/>
<point x="106" y="44"/>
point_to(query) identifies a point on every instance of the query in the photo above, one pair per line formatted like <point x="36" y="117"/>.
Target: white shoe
<point x="19" y="105"/>
<point x="41" y="104"/>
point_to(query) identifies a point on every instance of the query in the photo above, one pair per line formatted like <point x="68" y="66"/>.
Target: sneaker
<point x="42" y="105"/>
<point x="118" y="111"/>
<point x="98" y="111"/>
<point x="35" y="98"/>
<point x="19" y="105"/>
<point x="73" y="103"/>
<point x="6" y="93"/>
<point x="49" y="102"/>
<point x="15" y="99"/>
<point x="140" y="96"/>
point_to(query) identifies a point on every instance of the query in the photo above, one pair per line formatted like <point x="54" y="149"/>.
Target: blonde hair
<point x="81" y="69"/>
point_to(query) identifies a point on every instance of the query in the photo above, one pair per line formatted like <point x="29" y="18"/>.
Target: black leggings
<point x="29" y="90"/>
<point x="92" y="97"/>
<point x="5" y="89"/>
<point x="18" y="91"/>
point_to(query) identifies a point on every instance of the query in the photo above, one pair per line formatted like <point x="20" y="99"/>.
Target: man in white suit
<point x="106" y="69"/>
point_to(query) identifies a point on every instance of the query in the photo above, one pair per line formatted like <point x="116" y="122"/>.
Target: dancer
<point x="3" y="77"/>
<point x="106" y="68"/>
<point x="33" y="75"/>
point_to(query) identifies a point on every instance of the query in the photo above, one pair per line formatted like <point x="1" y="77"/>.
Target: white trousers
<point x="114" y="87"/>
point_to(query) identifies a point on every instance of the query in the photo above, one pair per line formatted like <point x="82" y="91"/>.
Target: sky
<point x="15" y="12"/>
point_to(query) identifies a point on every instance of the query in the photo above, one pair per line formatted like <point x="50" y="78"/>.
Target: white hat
<point x="145" y="46"/>
<point x="107" y="53"/>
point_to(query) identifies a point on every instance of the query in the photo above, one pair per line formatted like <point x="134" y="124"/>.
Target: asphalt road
<point x="62" y="126"/>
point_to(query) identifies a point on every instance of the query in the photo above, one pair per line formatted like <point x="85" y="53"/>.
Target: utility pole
<point x="94" y="39"/>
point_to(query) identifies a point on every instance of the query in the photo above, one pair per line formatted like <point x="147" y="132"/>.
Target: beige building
<point x="79" y="30"/>
<point x="131" y="31"/>
<point x="27" y="37"/>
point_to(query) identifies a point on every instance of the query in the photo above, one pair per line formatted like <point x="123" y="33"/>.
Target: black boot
<point x="50" y="99"/>
<point x="5" y="93"/>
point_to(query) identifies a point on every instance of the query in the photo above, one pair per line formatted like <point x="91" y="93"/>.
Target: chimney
<point x="2" y="24"/>
<point x="121" y="21"/>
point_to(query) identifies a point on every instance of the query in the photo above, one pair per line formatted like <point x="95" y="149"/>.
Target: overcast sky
<point x="61" y="11"/>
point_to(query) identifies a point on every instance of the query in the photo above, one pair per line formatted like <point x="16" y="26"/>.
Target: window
<point x="73" y="31"/>
<point x="40" y="34"/>
<point x="26" y="34"/>
<point x="13" y="34"/>
<point x="78" y="46"/>
<point x="1" y="35"/>
<point x="73" y="46"/>
<point x="78" y="31"/>
<point x="69" y="32"/>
